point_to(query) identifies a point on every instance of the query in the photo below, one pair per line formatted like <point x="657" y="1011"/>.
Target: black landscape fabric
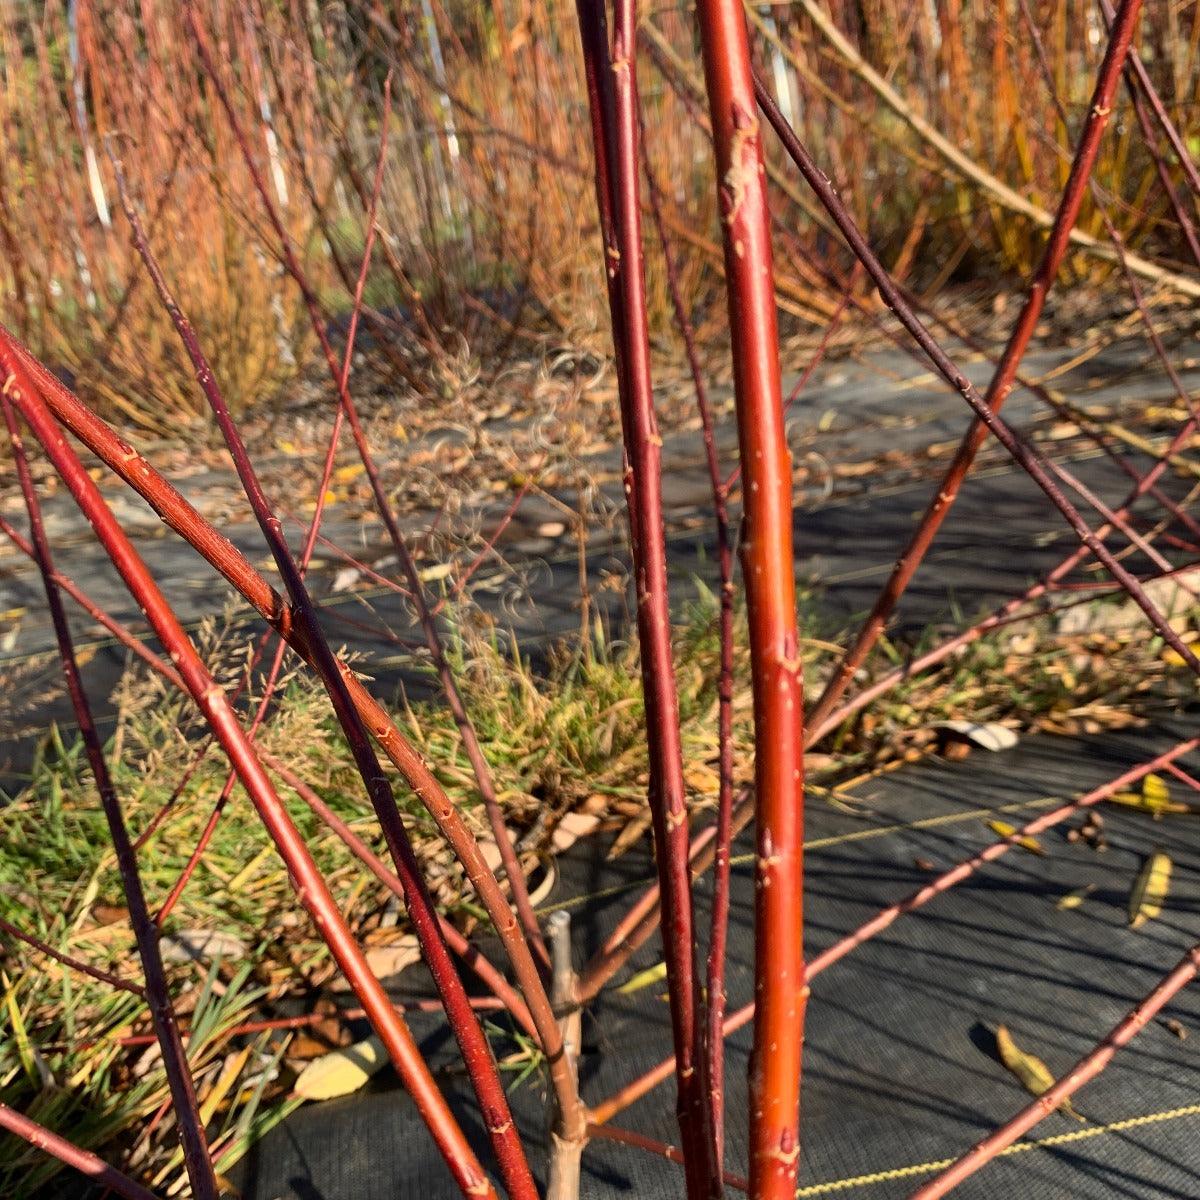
<point x="900" y="1069"/>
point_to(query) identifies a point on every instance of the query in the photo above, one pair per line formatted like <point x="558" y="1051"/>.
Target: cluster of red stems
<point x="546" y="993"/>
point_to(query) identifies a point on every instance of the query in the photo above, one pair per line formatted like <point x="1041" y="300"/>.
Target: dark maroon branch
<point x="612" y="93"/>
<point x="157" y="991"/>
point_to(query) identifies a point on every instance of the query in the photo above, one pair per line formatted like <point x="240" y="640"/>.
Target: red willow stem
<point x="719" y="921"/>
<point x="1087" y="1068"/>
<point x="817" y="356"/>
<point x="641" y="919"/>
<point x="635" y="1090"/>
<point x="1002" y="380"/>
<point x="1112" y="518"/>
<point x="617" y="151"/>
<point x="433" y="638"/>
<point x="1150" y="139"/>
<point x="955" y="329"/>
<point x="157" y="991"/>
<point x="769" y="573"/>
<point x="1114" y="235"/>
<point x="1006" y="612"/>
<point x="310" y="886"/>
<point x="473" y="1044"/>
<point x="503" y="994"/>
<point x="83" y="1161"/>
<point x="183" y="518"/>
<point x="1055" y="404"/>
<point x="76" y="964"/>
<point x="1181" y="774"/>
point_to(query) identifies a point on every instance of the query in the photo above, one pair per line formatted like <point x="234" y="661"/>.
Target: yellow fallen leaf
<point x="1154" y="798"/>
<point x="1034" y="1075"/>
<point x="1155" y="790"/>
<point x="1076" y="898"/>
<point x="643" y="979"/>
<point x="1172" y="657"/>
<point x="341" y="1071"/>
<point x="348" y="472"/>
<point x="1005" y="830"/>
<point x="1149" y="889"/>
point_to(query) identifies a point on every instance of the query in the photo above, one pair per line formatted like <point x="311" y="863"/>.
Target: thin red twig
<point x="83" y="1161"/>
<point x="1086" y="1069"/>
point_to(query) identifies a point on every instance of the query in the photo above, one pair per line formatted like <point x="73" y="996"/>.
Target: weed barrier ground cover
<point x="922" y="1080"/>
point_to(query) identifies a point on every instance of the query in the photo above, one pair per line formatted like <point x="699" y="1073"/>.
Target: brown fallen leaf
<point x="630" y="835"/>
<point x="1149" y="890"/>
<point x="110" y="914"/>
<point x="1034" y="1075"/>
<point x="1178" y="1028"/>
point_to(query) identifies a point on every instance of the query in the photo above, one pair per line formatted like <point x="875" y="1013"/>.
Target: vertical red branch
<point x="768" y="571"/>
<point x="612" y="80"/>
<point x="719" y="924"/>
